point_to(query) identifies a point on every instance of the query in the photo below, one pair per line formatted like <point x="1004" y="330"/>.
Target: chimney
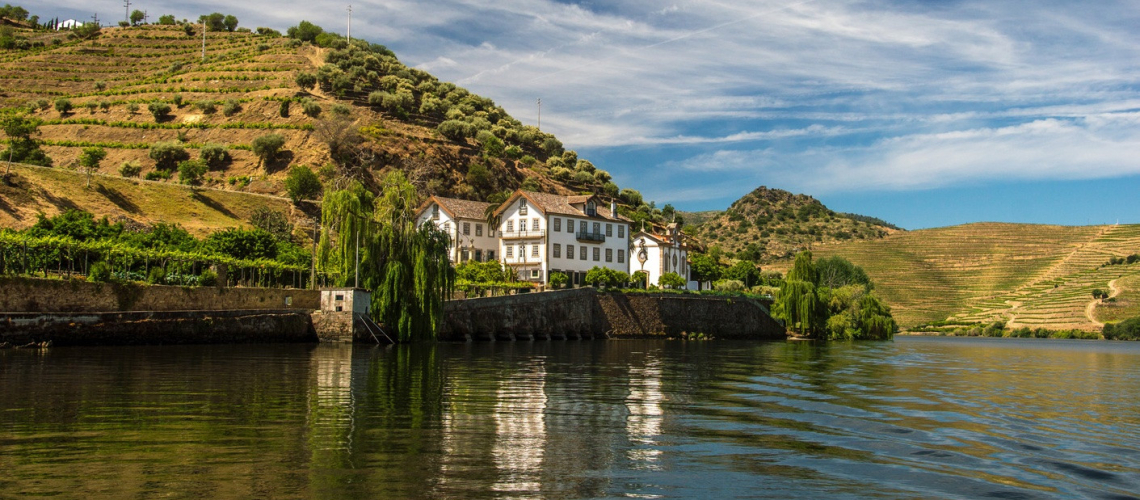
<point x="613" y="208"/>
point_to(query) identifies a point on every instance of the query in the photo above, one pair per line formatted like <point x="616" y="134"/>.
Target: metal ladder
<point x="372" y="328"/>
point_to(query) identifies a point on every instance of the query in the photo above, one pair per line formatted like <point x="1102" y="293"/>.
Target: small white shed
<point x="354" y="300"/>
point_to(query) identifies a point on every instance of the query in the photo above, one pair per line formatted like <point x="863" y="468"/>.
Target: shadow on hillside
<point x="118" y="199"/>
<point x="6" y="208"/>
<point x="284" y="159"/>
<point x="200" y="197"/>
<point x="64" y="204"/>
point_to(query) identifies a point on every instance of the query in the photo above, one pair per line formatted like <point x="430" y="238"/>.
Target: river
<point x="912" y="418"/>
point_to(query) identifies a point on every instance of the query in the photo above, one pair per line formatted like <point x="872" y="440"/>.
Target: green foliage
<point x="63" y="106"/>
<point x="130" y="169"/>
<point x="137" y="16"/>
<point x="340" y="109"/>
<point x="191" y="171"/>
<point x="208" y="278"/>
<point x="671" y="280"/>
<point x="305" y="80"/>
<point x="160" y="110"/>
<point x="1098" y="294"/>
<point x="631" y="197"/>
<point x="177" y="99"/>
<point x="87" y="31"/>
<point x="798" y="302"/>
<point x="91" y="157"/>
<point x="835" y="272"/>
<point x="492" y="146"/>
<point x="215" y="156"/>
<point x="231" y="23"/>
<point x="157" y="175"/>
<point x="215" y="21"/>
<point x="479" y="176"/>
<point x="166" y="155"/>
<point x="22" y="148"/>
<point x="558" y="280"/>
<point x="606" y="277"/>
<point x="489" y="272"/>
<point x="283" y="109"/>
<point x="206" y="106"/>
<point x="100" y="272"/>
<point x="1128" y="329"/>
<point x="132" y="107"/>
<point x="167" y="20"/>
<point x="456" y="130"/>
<point x="310" y="108"/>
<point x="305" y="31"/>
<point x="857" y="314"/>
<point x="267" y="147"/>
<point x="249" y="244"/>
<point x="156" y="275"/>
<point x="704" y="267"/>
<point x="273" y="222"/>
<point x="745" y="272"/>
<point x="302" y="184"/>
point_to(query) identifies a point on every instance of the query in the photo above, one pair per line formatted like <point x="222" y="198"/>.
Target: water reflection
<point x="520" y="431"/>
<point x="645" y="413"/>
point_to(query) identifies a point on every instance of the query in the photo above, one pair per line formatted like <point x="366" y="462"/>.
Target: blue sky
<point x="923" y="113"/>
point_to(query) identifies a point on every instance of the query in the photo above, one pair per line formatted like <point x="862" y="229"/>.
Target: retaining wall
<point x="18" y="294"/>
<point x="156" y="328"/>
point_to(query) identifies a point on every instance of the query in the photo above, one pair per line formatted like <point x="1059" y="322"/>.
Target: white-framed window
<point x="621" y="256"/>
<point x="478" y="230"/>
<point x="534" y="274"/>
<point x="582" y="251"/>
<point x="522" y="206"/>
<point x="522" y="250"/>
<point x="597" y="227"/>
<point x="510" y="226"/>
<point x="609" y="230"/>
<point x="463" y="255"/>
<point x="569" y="225"/>
<point x="510" y="251"/>
<point x="557" y="224"/>
<point x="534" y="225"/>
<point x="534" y="250"/>
<point x="447" y="227"/>
<point x="466" y="228"/>
<point x="597" y="254"/>
<point x="557" y="249"/>
<point x="582" y="226"/>
<point x="609" y="255"/>
<point x="522" y="225"/>
<point x="621" y="231"/>
<point x="435" y="212"/>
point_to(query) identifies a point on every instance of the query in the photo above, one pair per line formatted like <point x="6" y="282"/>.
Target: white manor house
<point x="537" y="234"/>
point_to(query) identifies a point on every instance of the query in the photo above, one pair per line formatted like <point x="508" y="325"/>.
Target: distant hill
<point x="779" y="224"/>
<point x="1023" y="274"/>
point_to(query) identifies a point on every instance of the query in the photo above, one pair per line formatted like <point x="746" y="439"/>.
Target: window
<point x="570" y="252"/>
<point x="582" y="226"/>
<point x="339" y="297"/>
<point x="522" y="251"/>
<point x="478" y="255"/>
<point x="463" y="255"/>
<point x="609" y="255"/>
<point x="557" y="249"/>
<point x="522" y="225"/>
<point x="522" y="206"/>
<point x="510" y="226"/>
<point x="467" y="228"/>
<point x="534" y="225"/>
<point x="557" y="224"/>
<point x="435" y="212"/>
<point x="534" y="250"/>
<point x="597" y="228"/>
<point x="582" y="252"/>
<point x="490" y="255"/>
<point x="621" y="256"/>
<point x="591" y="208"/>
<point x="609" y="230"/>
<point x="447" y="227"/>
<point x="510" y="251"/>
<point x="534" y="274"/>
<point x="597" y="254"/>
<point x="621" y="231"/>
<point x="478" y="230"/>
<point x="569" y="225"/>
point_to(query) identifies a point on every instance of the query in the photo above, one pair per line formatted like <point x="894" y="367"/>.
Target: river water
<point x="912" y="418"/>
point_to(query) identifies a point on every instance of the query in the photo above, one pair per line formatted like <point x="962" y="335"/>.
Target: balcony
<point x="517" y="235"/>
<point x="591" y="236"/>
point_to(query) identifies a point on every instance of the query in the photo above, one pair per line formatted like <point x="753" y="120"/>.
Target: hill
<point x="347" y="110"/>
<point x="1022" y="274"/>
<point x="771" y="224"/>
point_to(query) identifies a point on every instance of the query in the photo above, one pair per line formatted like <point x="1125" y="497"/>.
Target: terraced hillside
<point x="1026" y="275"/>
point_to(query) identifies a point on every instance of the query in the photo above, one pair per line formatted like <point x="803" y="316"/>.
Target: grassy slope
<point x="1028" y="275"/>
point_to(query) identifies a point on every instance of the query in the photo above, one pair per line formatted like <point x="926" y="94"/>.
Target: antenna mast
<point x="540" y="114"/>
<point x="349" y="23"/>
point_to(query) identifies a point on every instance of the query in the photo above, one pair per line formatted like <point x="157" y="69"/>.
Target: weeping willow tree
<point x="798" y="302"/>
<point x="406" y="267"/>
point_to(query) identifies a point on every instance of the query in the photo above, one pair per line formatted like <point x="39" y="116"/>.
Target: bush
<point x="310" y="107"/>
<point x="156" y="275"/>
<point x="267" y="147"/>
<point x="283" y="109"/>
<point x="167" y="20"/>
<point x="157" y="175"/>
<point x="1128" y="329"/>
<point x="492" y="146"/>
<point x="456" y="130"/>
<point x="100" y="272"/>
<point x="302" y="183"/>
<point x="214" y="155"/>
<point x="130" y="169"/>
<point x="671" y="280"/>
<point x="727" y="285"/>
<point x="100" y="86"/>
<point x="166" y="155"/>
<point x="191" y="171"/>
<point x="160" y="110"/>
<point x="558" y="280"/>
<point x="104" y="105"/>
<point x="305" y="80"/>
<point x="63" y="106"/>
<point x="340" y="109"/>
<point x="231" y="107"/>
<point x="132" y="107"/>
<point x="208" y="278"/>
<point x="583" y="177"/>
<point x="177" y="99"/>
<point x="206" y="106"/>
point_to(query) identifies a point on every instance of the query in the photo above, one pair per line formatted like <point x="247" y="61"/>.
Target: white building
<point x="543" y="233"/>
<point x="659" y="252"/>
<point x="466" y="222"/>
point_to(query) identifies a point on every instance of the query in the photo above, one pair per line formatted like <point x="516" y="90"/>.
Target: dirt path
<point x="1091" y="308"/>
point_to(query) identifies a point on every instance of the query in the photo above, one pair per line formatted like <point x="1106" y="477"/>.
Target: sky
<point x="923" y="113"/>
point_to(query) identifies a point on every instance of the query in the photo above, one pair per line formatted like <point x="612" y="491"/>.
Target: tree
<point x="479" y="176"/>
<point x="835" y="272"/>
<point x="671" y="280"/>
<point x="798" y="302"/>
<point x="215" y="21"/>
<point x="250" y="244"/>
<point x="160" y="110"/>
<point x="87" y="31"/>
<point x="704" y="267"/>
<point x="90" y="159"/>
<point x="302" y="184"/>
<point x="558" y="280"/>
<point x="231" y="23"/>
<point x="214" y="155"/>
<point x="407" y="267"/>
<point x="63" y="106"/>
<point x="191" y="171"/>
<point x="305" y="80"/>
<point x="273" y="222"/>
<point x="167" y="20"/>
<point x="22" y="148"/>
<point x="305" y="31"/>
<point x="137" y="17"/>
<point x="745" y="272"/>
<point x="267" y="147"/>
<point x="166" y="155"/>
<point x="492" y="146"/>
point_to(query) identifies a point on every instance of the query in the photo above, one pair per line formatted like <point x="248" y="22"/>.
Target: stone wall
<point x="587" y="313"/>
<point x="32" y="295"/>
<point x="156" y="328"/>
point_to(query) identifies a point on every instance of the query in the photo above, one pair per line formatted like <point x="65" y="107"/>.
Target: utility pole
<point x="540" y="114"/>
<point x="127" y="16"/>
<point x="356" y="283"/>
<point x="95" y="18"/>
<point x="203" y="39"/>
<point x="313" y="260"/>
<point x="349" y="23"/>
<point x="146" y="18"/>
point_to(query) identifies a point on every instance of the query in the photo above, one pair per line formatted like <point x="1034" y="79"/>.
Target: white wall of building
<point x="546" y="239"/>
<point x="471" y="241"/>
<point x="660" y="258"/>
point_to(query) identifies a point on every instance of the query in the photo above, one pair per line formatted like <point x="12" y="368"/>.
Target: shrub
<point x="132" y="107"/>
<point x="157" y="175"/>
<point x="191" y="171"/>
<point x="558" y="280"/>
<point x="305" y="80"/>
<point x="302" y="183"/>
<point x="91" y="106"/>
<point x="104" y="105"/>
<point x="63" y="106"/>
<point x="156" y="275"/>
<point x="130" y="169"/>
<point x="583" y="177"/>
<point x="310" y="107"/>
<point x="206" y="106"/>
<point x="177" y="100"/>
<point x="273" y="222"/>
<point x="214" y="155"/>
<point x="100" y="86"/>
<point x="340" y="109"/>
<point x="283" y="109"/>
<point x="160" y="110"/>
<point x="231" y="107"/>
<point x="671" y="280"/>
<point x="166" y="155"/>
<point x="492" y="146"/>
<point x="99" y="272"/>
<point x="513" y="152"/>
<point x="456" y="130"/>
<point x="188" y="29"/>
<point x="267" y="147"/>
<point x="167" y="20"/>
<point x="208" y="278"/>
<point x="528" y="160"/>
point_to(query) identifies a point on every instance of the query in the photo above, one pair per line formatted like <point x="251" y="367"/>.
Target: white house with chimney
<point x="472" y="238"/>
<point x="543" y="233"/>
<point x="659" y="251"/>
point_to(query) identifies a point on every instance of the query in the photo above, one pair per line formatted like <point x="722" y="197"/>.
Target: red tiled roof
<point x="457" y="208"/>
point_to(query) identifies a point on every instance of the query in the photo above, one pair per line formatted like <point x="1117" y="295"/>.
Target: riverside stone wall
<point x="156" y="328"/>
<point x="18" y="294"/>
<point x="587" y="313"/>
